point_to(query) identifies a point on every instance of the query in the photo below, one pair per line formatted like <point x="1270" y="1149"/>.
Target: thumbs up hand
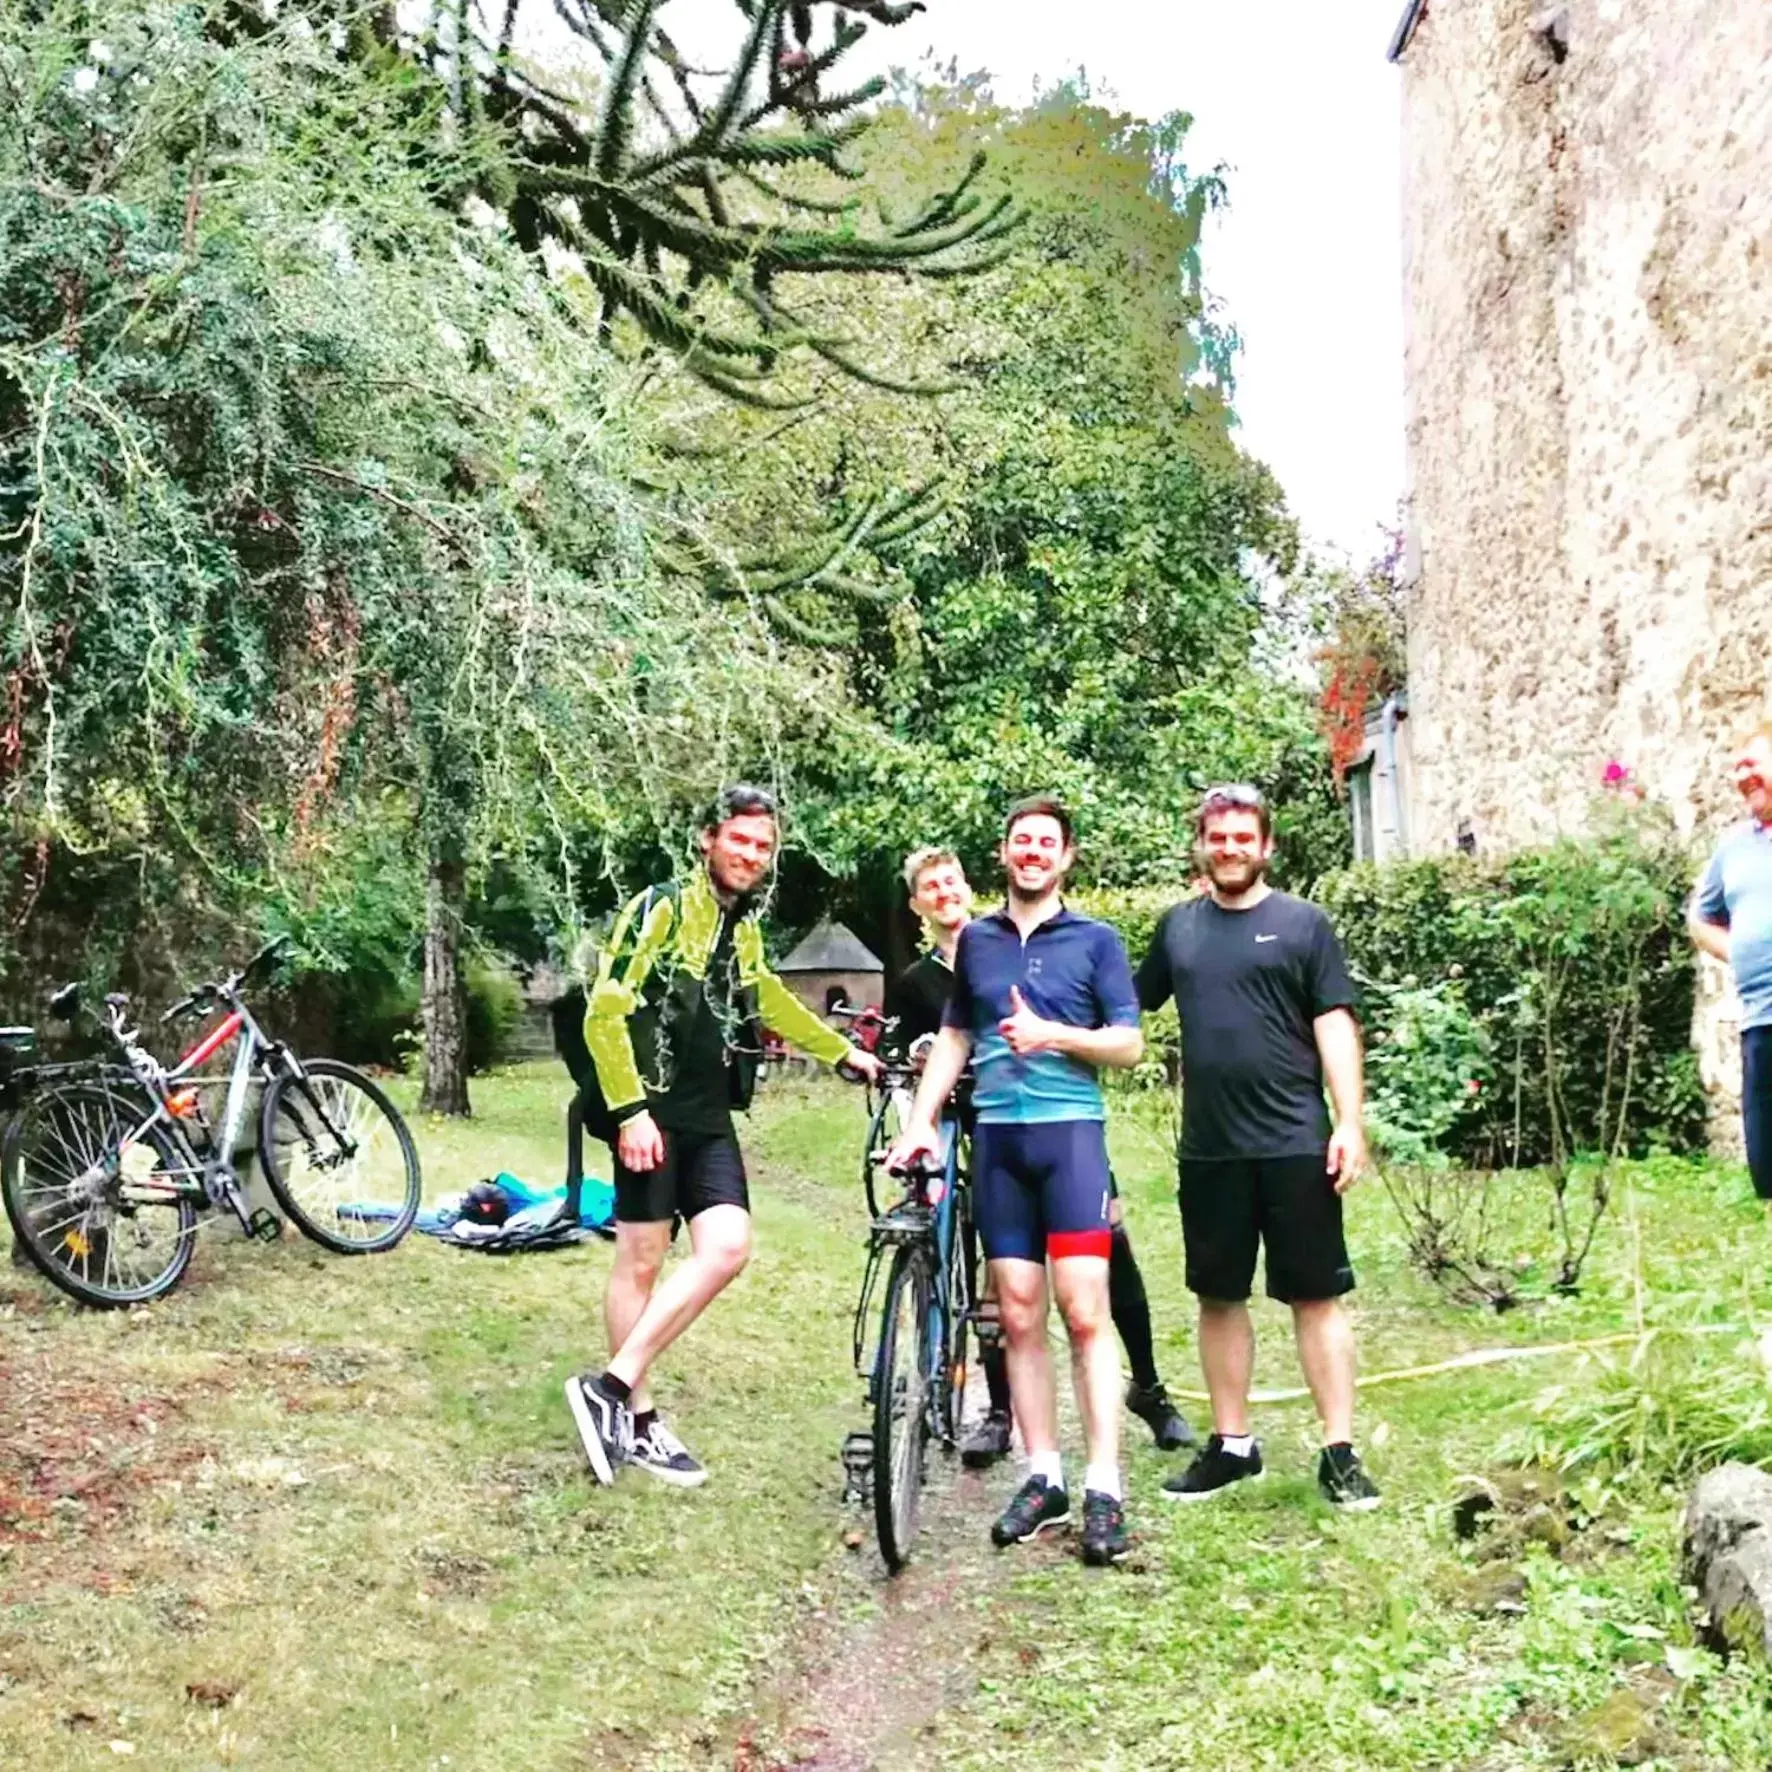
<point x="1024" y="1030"/>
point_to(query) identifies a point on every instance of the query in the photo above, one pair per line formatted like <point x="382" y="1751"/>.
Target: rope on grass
<point x="1488" y="1356"/>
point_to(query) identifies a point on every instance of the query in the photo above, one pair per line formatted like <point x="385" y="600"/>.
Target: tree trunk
<point x="444" y="1005"/>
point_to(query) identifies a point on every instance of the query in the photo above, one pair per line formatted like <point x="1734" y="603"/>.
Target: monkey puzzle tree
<point x="700" y="204"/>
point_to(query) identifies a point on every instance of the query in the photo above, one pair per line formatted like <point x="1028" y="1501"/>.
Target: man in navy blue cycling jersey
<point x="1041" y="999"/>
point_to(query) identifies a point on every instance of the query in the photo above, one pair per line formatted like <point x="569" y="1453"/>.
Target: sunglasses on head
<point x="1236" y="793"/>
<point x="744" y="800"/>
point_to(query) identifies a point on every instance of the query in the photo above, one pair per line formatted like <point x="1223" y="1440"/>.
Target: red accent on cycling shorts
<point x="1059" y="1244"/>
<point x="217" y="1037"/>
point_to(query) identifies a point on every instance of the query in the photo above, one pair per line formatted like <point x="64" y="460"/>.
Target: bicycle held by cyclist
<point x="924" y="1248"/>
<point x="105" y="1166"/>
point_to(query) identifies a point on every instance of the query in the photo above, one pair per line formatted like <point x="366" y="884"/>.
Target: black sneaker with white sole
<point x="1343" y="1481"/>
<point x="1105" y="1538"/>
<point x="605" y="1424"/>
<point x="987" y="1442"/>
<point x="1037" y="1506"/>
<point x="1168" y="1425"/>
<point x="1213" y="1471"/>
<point x="659" y="1453"/>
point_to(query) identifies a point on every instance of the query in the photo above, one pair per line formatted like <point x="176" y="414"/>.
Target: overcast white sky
<point x="1295" y="98"/>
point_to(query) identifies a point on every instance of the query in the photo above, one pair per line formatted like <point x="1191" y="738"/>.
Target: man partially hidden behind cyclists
<point x="942" y="897"/>
<point x="1266" y="1012"/>
<point x="1041" y="999"/>
<point x="670" y="1025"/>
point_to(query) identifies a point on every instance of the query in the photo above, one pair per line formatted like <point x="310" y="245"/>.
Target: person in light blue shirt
<point x="1731" y="918"/>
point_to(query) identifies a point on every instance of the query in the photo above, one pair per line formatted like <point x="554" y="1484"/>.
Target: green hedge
<point x="1587" y="935"/>
<point x="1590" y="934"/>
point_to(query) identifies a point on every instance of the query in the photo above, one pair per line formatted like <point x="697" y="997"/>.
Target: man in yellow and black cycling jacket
<point x="673" y="1026"/>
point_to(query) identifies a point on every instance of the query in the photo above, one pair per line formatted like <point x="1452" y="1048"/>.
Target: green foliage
<point x="1575" y="967"/>
<point x="319" y="547"/>
<point x="699" y="202"/>
<point x="1089" y="616"/>
<point x="495" y="1006"/>
<point x="1425" y="1069"/>
<point x="1135" y="912"/>
<point x="1653" y="1416"/>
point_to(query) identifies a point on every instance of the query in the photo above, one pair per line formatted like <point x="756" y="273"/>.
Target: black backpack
<point x="568" y="1017"/>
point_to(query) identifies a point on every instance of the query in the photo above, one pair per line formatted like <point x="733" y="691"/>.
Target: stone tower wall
<point x="1588" y="270"/>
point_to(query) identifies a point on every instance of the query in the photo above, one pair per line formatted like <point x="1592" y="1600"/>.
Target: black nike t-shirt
<point x="1248" y="986"/>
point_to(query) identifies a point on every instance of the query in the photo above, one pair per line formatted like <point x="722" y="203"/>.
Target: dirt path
<point x="862" y="1693"/>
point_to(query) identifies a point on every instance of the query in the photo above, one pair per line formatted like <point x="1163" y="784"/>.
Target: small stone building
<point x="1587" y="222"/>
<point x="831" y="966"/>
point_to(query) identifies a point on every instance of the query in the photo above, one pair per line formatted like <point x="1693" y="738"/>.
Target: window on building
<point x="1359" y="783"/>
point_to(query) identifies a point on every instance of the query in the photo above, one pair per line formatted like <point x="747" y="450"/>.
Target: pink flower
<point x="1616" y="774"/>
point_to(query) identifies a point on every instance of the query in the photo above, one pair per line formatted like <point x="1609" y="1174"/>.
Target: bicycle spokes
<point x="94" y="1203"/>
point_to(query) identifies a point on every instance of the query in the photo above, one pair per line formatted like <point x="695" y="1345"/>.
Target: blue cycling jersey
<point x="1071" y="969"/>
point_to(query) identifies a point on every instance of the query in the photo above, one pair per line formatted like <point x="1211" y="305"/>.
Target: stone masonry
<point x="1587" y="200"/>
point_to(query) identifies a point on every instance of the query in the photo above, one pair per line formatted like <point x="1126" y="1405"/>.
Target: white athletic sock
<point x="1104" y="1479"/>
<point x="1048" y="1467"/>
<point x="1239" y="1445"/>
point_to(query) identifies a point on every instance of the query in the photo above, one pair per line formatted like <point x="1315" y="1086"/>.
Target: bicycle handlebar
<point x="846" y="1012"/>
<point x="201" y="1000"/>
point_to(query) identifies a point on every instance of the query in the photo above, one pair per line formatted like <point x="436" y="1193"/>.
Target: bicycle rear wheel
<point x="339" y="1159"/>
<point x="962" y="1297"/>
<point x="901" y="1402"/>
<point x="110" y="1222"/>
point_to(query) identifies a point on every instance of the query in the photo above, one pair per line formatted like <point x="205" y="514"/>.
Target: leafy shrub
<point x="1427" y="1070"/>
<point x="1575" y="966"/>
<point x="1135" y="912"/>
<point x="495" y="1005"/>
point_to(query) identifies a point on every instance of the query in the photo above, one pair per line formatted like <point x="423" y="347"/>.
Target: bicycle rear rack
<point x="907" y="1222"/>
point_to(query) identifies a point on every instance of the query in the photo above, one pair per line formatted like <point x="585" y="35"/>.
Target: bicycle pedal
<point x="858" y="1464"/>
<point x="265" y="1226"/>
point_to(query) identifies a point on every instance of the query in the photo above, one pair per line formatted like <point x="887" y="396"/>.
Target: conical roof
<point x="831" y="947"/>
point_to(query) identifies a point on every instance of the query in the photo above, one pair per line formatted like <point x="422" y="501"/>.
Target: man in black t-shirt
<point x="942" y="898"/>
<point x="1266" y="1012"/>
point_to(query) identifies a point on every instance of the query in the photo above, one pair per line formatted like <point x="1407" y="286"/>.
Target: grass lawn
<point x="312" y="1513"/>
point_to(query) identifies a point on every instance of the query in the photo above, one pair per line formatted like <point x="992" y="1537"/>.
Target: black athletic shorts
<point x="1287" y="1204"/>
<point x="700" y="1169"/>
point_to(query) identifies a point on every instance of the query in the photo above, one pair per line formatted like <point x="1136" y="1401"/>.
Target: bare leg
<point x="639" y="1255"/>
<point x="1227" y="1356"/>
<point x="1080" y="1284"/>
<point x="1021" y="1301"/>
<point x="1326" y="1352"/>
<point x="720" y="1245"/>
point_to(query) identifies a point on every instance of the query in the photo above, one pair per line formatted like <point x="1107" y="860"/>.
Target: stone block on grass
<point x="1728" y="1543"/>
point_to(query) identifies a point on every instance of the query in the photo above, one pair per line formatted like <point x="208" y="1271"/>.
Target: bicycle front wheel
<point x="901" y="1403"/>
<point x="102" y="1207"/>
<point x="339" y="1158"/>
